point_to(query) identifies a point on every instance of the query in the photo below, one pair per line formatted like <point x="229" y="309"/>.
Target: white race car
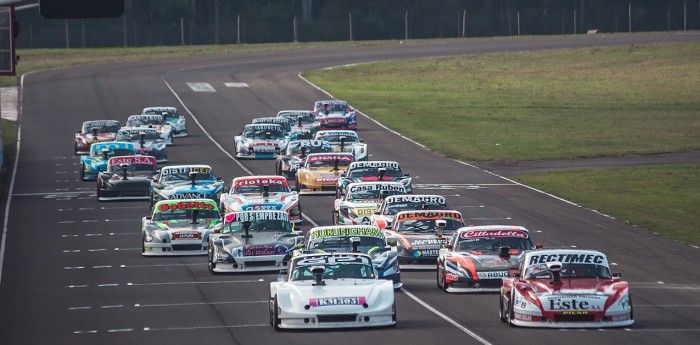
<point x="156" y="122"/>
<point x="172" y="117"/>
<point x="361" y="199"/>
<point x="260" y="141"/>
<point x="250" y="193"/>
<point x="345" y="141"/>
<point x="332" y="291"/>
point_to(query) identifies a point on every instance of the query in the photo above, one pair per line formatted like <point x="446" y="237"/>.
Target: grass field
<point x="518" y="106"/>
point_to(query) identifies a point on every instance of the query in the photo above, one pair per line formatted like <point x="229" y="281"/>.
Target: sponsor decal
<point x="429" y="241"/>
<point x="264" y="249"/>
<point x="375" y="164"/>
<point x="334" y="259"/>
<point x="253" y="216"/>
<point x="147" y="117"/>
<point x="378" y="186"/>
<point x="265" y="144"/>
<point x="132" y="131"/>
<point x="492" y="275"/>
<point x="130" y="160"/>
<point x="264" y="127"/>
<point x="426" y="252"/>
<point x="573" y="303"/>
<point x="191" y="205"/>
<point x="269" y="120"/>
<point x="263" y="207"/>
<point x="493" y="233"/>
<point x="184" y="170"/>
<point x="331" y="301"/>
<point x="338" y="133"/>
<point x="345" y="231"/>
<point x="566" y="258"/>
<point x="189" y="195"/>
<point x="333" y="120"/>
<point x="411" y="215"/>
<point x="89" y="124"/>
<point x="239" y="182"/>
<point x="189" y="235"/>
<point x="329" y="158"/>
<point x="294" y="113"/>
<point x="417" y="198"/>
<point x="362" y="212"/>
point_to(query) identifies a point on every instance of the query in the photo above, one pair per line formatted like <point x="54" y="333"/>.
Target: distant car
<point x="331" y="291"/>
<point x="157" y="122"/>
<point x="335" y="114"/>
<point x="418" y="236"/>
<point x="172" y="117"/>
<point x="94" y="131"/>
<point x="126" y="178"/>
<point x="147" y="141"/>
<point x="260" y="141"/>
<point x="345" y="141"/>
<point x="262" y="192"/>
<point x="292" y="158"/>
<point x="361" y="200"/>
<point x="194" y="181"/>
<point x="355" y="239"/>
<point x="252" y="241"/>
<point x="391" y="205"/>
<point x="374" y="171"/>
<point x="303" y="123"/>
<point x="565" y="288"/>
<point x="320" y="171"/>
<point x="273" y="120"/>
<point x="477" y="257"/>
<point x="179" y="227"/>
<point x="95" y="161"/>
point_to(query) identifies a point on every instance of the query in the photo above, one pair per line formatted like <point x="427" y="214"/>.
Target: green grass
<point x="662" y="199"/>
<point x="534" y="105"/>
<point x="9" y="140"/>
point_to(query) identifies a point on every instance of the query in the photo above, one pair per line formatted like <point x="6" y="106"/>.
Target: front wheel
<point x="276" y="315"/>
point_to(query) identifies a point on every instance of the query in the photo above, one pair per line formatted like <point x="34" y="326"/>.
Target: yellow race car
<point x="320" y="172"/>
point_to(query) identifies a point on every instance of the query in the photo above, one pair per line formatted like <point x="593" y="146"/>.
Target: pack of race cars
<point x="343" y="275"/>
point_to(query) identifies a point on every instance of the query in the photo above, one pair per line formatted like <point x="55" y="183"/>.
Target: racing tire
<point x="235" y="150"/>
<point x="511" y="313"/>
<point x="75" y="146"/>
<point x="278" y="169"/>
<point x="143" y="244"/>
<point x="334" y="218"/>
<point x="276" y="315"/>
<point x="297" y="186"/>
<point x="393" y="316"/>
<point x="437" y="277"/>
<point x="82" y="172"/>
<point x="501" y="311"/>
<point x="443" y="280"/>
<point x="211" y="265"/>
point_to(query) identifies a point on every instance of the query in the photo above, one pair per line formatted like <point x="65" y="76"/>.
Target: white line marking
<point x="74" y="268"/>
<point x="195" y="304"/>
<point x="108" y="285"/>
<point x="203" y="327"/>
<point x="182" y="283"/>
<point x="236" y="85"/>
<point x="50" y="193"/>
<point x="105" y="266"/>
<point x="446" y="318"/>
<point x="79" y="308"/>
<point x="164" y="265"/>
<point x="119" y="207"/>
<point x="124" y="233"/>
<point x="668" y="305"/>
<point x="72" y="251"/>
<point x="123" y="220"/>
<point x="201" y="87"/>
<point x="120" y="330"/>
<point x="76" y="286"/>
<point x="112" y="306"/>
<point x="124" y="249"/>
<point x="66" y="222"/>
<point x="97" y="250"/>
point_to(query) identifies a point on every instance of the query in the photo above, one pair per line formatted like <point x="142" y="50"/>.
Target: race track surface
<point x="73" y="274"/>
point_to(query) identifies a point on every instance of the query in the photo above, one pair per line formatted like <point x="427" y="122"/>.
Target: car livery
<point x="248" y="193"/>
<point x="251" y="241"/>
<point x="360" y="201"/>
<point x="126" y="178"/>
<point x="355" y="239"/>
<point x="331" y="291"/>
<point x="418" y="236"/>
<point x="95" y="161"/>
<point x="260" y="141"/>
<point x="171" y="117"/>
<point x="303" y="122"/>
<point x="477" y="257"/>
<point x="345" y="141"/>
<point x="94" y="131"/>
<point x="335" y="114"/>
<point x="391" y="205"/>
<point x="292" y="158"/>
<point x="374" y="171"/>
<point x="147" y="141"/>
<point x="157" y="122"/>
<point x="195" y="181"/>
<point x="179" y="227"/>
<point x="565" y="288"/>
<point x="320" y="171"/>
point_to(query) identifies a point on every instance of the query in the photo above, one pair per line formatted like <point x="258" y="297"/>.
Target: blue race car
<point x="96" y="160"/>
<point x="147" y="141"/>
<point x="186" y="182"/>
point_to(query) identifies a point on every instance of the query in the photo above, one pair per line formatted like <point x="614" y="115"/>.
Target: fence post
<point x="405" y="26"/>
<point x="295" y="29"/>
<point x="67" y="39"/>
<point x="518" y="18"/>
<point x="350" y="23"/>
<point x="82" y="33"/>
<point x="216" y="21"/>
<point x="124" y="29"/>
<point x="182" y="31"/>
<point x="464" y="23"/>
<point x="574" y="22"/>
<point x="685" y="15"/>
<point x="238" y="29"/>
<point x="629" y="17"/>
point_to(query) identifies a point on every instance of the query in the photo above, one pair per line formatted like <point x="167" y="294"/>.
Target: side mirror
<point x="448" y="246"/>
<point x="516" y="274"/>
<point x="539" y="246"/>
<point x="617" y="275"/>
<point x="392" y="243"/>
<point x="405" y="175"/>
<point x="217" y="231"/>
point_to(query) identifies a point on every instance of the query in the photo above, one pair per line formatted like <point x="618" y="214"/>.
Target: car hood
<point x="185" y="190"/>
<point x="259" y="244"/>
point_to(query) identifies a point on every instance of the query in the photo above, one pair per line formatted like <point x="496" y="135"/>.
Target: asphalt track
<point x="71" y="268"/>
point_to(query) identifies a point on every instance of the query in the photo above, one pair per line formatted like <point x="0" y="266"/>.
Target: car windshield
<point x="540" y="271"/>
<point x="493" y="244"/>
<point x="328" y="163"/>
<point x="167" y="114"/>
<point x="296" y="150"/>
<point x="114" y="152"/>
<point x="88" y="128"/>
<point x="335" y="271"/>
<point x="334" y="107"/>
<point x="427" y="225"/>
<point x="373" y="194"/>
<point x="412" y="206"/>
<point x="136" y="169"/>
<point x="344" y="245"/>
<point x="185" y="215"/>
<point x="265" y="225"/>
<point x="186" y="177"/>
<point x="260" y="189"/>
<point x="135" y="137"/>
<point x="144" y="121"/>
<point x="293" y="119"/>
<point x="335" y="139"/>
<point x="263" y="134"/>
<point x="364" y="172"/>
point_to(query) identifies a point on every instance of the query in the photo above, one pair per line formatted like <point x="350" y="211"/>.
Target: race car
<point x="179" y="227"/>
<point x="126" y="178"/>
<point x="565" y="288"/>
<point x="94" y="132"/>
<point x="391" y="205"/>
<point x="373" y="171"/>
<point x="157" y="122"/>
<point x="345" y="141"/>
<point x="260" y="142"/>
<point x="249" y="193"/>
<point x="361" y="200"/>
<point x="334" y="114"/>
<point x="418" y="236"/>
<point x="195" y="181"/>
<point x="252" y="241"/>
<point x="292" y="158"/>
<point x="147" y="141"/>
<point x="320" y="171"/>
<point x="95" y="161"/>
<point x="172" y="117"/>
<point x="355" y="239"/>
<point x="273" y="120"/>
<point x="303" y="123"/>
<point x="331" y="291"/>
<point x="477" y="257"/>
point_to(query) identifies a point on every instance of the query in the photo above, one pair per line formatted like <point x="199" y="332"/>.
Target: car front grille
<point x="186" y="247"/>
<point x="260" y="263"/>
<point x="337" y="318"/>
<point x="574" y="318"/>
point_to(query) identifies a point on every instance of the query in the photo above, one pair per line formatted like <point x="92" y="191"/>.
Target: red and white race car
<point x="262" y="193"/>
<point x="565" y="288"/>
<point x="94" y="131"/>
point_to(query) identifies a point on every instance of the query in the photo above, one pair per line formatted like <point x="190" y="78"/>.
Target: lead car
<point x="331" y="291"/>
<point x="565" y="288"/>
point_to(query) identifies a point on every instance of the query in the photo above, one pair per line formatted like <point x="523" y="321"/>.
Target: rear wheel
<point x="501" y="312"/>
<point x="211" y="264"/>
<point x="276" y="315"/>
